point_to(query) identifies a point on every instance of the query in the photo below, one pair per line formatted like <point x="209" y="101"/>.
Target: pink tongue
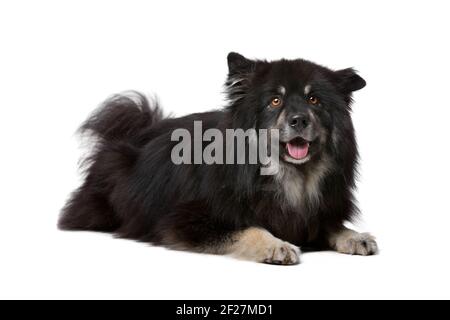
<point x="298" y="152"/>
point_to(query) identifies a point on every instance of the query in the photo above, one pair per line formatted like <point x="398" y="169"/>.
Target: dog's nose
<point x="299" y="121"/>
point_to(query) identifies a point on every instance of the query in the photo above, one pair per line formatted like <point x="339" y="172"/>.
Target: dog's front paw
<point x="282" y="252"/>
<point x="356" y="243"/>
<point x="259" y="245"/>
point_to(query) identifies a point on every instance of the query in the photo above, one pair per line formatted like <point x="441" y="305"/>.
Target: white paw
<point x="357" y="243"/>
<point x="282" y="253"/>
<point x="257" y="244"/>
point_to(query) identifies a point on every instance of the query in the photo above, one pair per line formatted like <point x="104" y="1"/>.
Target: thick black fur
<point x="133" y="189"/>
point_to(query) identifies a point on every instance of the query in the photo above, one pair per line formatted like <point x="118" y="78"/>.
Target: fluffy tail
<point x="122" y="117"/>
<point x="117" y="126"/>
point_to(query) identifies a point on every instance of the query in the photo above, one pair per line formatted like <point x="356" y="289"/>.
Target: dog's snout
<point x="299" y="121"/>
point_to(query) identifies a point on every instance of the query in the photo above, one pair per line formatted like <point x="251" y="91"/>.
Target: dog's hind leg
<point x="88" y="210"/>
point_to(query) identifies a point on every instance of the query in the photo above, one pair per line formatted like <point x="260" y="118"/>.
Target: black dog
<point x="135" y="190"/>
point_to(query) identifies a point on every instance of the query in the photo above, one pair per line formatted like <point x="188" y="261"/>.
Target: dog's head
<point x="308" y="103"/>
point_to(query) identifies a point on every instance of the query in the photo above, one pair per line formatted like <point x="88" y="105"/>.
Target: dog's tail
<point x="118" y="127"/>
<point x="122" y="118"/>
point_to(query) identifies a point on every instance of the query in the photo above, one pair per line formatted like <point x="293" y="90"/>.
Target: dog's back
<point x="123" y="128"/>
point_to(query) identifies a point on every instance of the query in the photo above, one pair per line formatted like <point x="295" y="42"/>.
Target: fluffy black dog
<point x="134" y="189"/>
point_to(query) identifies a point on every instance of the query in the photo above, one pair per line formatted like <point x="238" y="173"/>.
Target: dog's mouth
<point x="297" y="150"/>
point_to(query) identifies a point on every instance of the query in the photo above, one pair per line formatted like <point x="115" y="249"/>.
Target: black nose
<point x="299" y="121"/>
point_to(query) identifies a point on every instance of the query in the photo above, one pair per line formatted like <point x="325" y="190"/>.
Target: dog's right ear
<point x="238" y="64"/>
<point x="240" y="70"/>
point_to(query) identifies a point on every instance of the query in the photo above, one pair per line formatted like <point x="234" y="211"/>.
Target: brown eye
<point x="313" y="100"/>
<point x="276" y="102"/>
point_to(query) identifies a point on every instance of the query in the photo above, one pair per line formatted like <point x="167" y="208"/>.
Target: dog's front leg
<point x="257" y="244"/>
<point x="349" y="241"/>
<point x="193" y="228"/>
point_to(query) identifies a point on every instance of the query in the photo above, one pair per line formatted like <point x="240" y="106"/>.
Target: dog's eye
<point x="276" y="102"/>
<point x="313" y="100"/>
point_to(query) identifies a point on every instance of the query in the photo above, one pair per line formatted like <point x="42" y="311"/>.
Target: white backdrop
<point x="60" y="59"/>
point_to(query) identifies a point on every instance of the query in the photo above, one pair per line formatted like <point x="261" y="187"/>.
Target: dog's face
<point x="308" y="104"/>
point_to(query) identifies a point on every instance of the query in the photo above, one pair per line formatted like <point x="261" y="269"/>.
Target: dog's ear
<point x="238" y="64"/>
<point x="240" y="71"/>
<point x="348" y="81"/>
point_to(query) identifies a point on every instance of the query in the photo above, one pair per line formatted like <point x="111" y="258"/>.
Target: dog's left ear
<point x="238" y="64"/>
<point x="348" y="80"/>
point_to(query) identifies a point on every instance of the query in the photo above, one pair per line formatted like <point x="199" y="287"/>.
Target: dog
<point x="133" y="188"/>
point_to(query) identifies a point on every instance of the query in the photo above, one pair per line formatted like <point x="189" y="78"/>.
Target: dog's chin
<point x="289" y="159"/>
<point x="297" y="151"/>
